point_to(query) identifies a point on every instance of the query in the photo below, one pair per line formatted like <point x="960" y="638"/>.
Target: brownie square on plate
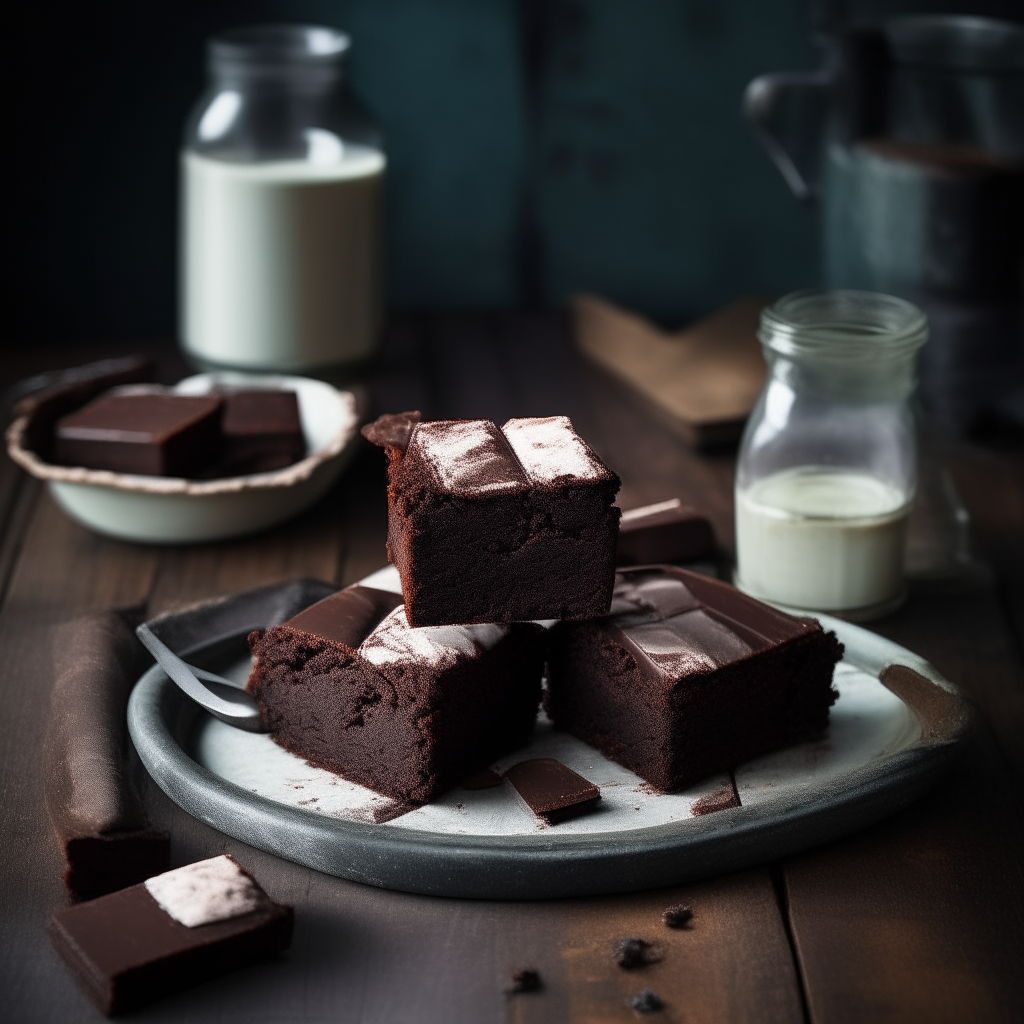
<point x="688" y="677"/>
<point x="489" y="525"/>
<point x="349" y="686"/>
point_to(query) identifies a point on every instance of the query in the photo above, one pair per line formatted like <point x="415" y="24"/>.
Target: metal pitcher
<point x="911" y="135"/>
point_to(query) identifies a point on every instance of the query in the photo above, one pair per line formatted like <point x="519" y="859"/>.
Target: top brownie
<point x="498" y="525"/>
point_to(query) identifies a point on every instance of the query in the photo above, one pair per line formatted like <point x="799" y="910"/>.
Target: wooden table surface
<point x="920" y="918"/>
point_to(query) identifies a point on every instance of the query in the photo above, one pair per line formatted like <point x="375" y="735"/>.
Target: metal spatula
<point x="221" y="697"/>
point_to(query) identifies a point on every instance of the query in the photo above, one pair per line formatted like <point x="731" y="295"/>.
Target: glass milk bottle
<point x="828" y="463"/>
<point x="281" y="208"/>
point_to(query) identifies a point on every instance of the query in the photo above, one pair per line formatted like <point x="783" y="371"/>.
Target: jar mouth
<point x="843" y="324"/>
<point x="278" y="45"/>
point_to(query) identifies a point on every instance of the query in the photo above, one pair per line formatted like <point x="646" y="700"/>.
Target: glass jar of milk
<point x="281" y="207"/>
<point x="828" y="463"/>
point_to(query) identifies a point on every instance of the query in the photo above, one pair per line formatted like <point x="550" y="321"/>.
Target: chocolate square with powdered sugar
<point x="498" y="525"/>
<point x="174" y="930"/>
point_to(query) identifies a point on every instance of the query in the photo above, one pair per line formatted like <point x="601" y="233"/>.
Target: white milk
<point x="281" y="260"/>
<point x="821" y="539"/>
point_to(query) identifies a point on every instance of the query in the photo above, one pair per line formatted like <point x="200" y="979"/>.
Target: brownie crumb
<point x="718" y="800"/>
<point x="524" y="981"/>
<point x="633" y="953"/>
<point x="646" y="1002"/>
<point x="678" y="916"/>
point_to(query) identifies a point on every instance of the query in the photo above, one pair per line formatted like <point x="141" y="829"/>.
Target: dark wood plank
<point x="922" y="917"/>
<point x="308" y="546"/>
<point x="61" y="569"/>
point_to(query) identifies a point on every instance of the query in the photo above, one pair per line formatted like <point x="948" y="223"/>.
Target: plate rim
<point x="542" y="865"/>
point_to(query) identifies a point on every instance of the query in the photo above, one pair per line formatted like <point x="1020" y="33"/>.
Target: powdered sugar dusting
<point x="209" y="890"/>
<point x="394" y="640"/>
<point x="468" y="456"/>
<point x="550" y="450"/>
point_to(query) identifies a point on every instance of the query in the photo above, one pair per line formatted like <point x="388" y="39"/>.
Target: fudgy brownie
<point x="348" y="685"/>
<point x="170" y="932"/>
<point x="688" y="677"/>
<point x="489" y="525"/>
<point x="149" y="434"/>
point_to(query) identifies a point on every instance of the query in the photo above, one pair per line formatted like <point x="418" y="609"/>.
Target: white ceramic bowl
<point x="169" y="510"/>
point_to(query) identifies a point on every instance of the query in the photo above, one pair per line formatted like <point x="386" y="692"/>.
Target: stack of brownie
<point x="672" y="674"/>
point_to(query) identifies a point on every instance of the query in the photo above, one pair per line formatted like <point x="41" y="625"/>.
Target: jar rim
<point x="843" y="324"/>
<point x="278" y="44"/>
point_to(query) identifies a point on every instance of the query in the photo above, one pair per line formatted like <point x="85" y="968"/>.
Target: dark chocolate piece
<point x="719" y="800"/>
<point x="646" y="1002"/>
<point x="524" y="981"/>
<point x="100" y="822"/>
<point x="149" y="434"/>
<point x="551" y="790"/>
<point x="409" y="713"/>
<point x="52" y="395"/>
<point x="678" y="916"/>
<point x="632" y="954"/>
<point x="262" y="431"/>
<point x="126" y="950"/>
<point x="489" y="525"/>
<point x="482" y="780"/>
<point x="668" y="531"/>
<point x="688" y="677"/>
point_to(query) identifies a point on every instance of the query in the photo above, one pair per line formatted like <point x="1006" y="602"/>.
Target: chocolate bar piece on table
<point x="173" y="931"/>
<point x="489" y="525"/>
<point x="101" y="824"/>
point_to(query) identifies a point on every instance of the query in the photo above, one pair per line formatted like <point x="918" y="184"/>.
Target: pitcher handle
<point x="760" y="100"/>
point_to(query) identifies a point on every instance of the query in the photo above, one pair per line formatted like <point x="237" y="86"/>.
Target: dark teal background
<point x="536" y="149"/>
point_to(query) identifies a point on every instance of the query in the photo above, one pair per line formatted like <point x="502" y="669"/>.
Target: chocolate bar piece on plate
<point x="667" y="531"/>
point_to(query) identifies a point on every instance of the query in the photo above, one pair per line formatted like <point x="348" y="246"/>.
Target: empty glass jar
<point x="281" y="207"/>
<point x="828" y="464"/>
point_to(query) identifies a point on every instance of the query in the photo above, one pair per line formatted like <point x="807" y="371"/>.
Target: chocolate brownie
<point x="148" y="434"/>
<point x="348" y="685"/>
<point x="667" y="531"/>
<point x="176" y="929"/>
<point x="489" y="525"/>
<point x="262" y="431"/>
<point x="688" y="677"/>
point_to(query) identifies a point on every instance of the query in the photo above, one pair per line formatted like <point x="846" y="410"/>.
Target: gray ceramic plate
<point x="886" y="743"/>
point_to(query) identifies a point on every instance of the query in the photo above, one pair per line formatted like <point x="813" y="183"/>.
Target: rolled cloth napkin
<point x="100" y="822"/>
